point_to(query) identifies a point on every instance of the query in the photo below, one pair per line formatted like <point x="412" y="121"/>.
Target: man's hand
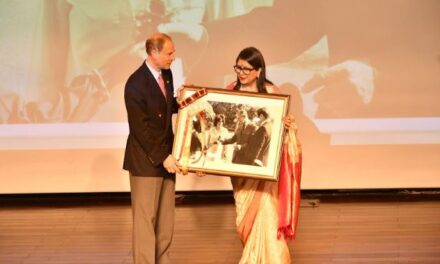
<point x="200" y="174"/>
<point x="179" y="93"/>
<point x="192" y="30"/>
<point x="342" y="89"/>
<point x="171" y="164"/>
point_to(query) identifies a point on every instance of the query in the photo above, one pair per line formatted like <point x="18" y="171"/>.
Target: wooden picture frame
<point x="251" y="148"/>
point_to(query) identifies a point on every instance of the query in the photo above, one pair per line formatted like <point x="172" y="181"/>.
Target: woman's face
<point x="246" y="73"/>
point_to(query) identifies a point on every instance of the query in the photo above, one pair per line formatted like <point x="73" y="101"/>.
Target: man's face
<point x="241" y="118"/>
<point x="261" y="119"/>
<point x="165" y="57"/>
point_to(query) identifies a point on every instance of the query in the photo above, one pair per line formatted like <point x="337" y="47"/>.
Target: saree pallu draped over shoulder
<point x="267" y="212"/>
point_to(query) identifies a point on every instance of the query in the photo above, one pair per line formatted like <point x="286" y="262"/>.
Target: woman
<point x="257" y="201"/>
<point x="216" y="133"/>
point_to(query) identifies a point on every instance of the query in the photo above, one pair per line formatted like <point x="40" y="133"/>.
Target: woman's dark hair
<point x="254" y="57"/>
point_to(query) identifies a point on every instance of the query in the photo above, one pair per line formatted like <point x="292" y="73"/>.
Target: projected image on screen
<point x="363" y="75"/>
<point x="65" y="58"/>
<point x="67" y="61"/>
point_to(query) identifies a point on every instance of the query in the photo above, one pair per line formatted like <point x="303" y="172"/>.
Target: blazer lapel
<point x="152" y="81"/>
<point x="170" y="97"/>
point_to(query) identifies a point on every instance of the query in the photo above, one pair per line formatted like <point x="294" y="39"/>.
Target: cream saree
<point x="256" y="204"/>
<point x="267" y="212"/>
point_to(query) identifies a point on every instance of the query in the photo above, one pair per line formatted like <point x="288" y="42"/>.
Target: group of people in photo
<point x="244" y="138"/>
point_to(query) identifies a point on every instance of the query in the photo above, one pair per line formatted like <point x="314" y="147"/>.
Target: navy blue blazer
<point x="150" y="138"/>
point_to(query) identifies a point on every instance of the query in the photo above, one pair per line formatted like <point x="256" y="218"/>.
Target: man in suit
<point x="147" y="156"/>
<point x="261" y="139"/>
<point x="243" y="133"/>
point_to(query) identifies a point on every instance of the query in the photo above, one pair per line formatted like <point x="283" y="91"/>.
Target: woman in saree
<point x="216" y="133"/>
<point x="260" y="207"/>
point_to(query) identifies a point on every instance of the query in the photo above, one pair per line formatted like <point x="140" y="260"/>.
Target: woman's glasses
<point x="244" y="70"/>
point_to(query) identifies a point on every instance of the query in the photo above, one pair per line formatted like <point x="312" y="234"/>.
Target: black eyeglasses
<point x="244" y="70"/>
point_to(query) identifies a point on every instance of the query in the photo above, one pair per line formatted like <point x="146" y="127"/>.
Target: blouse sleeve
<point x="230" y="86"/>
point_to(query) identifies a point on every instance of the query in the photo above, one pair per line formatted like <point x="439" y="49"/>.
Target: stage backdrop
<point x="364" y="80"/>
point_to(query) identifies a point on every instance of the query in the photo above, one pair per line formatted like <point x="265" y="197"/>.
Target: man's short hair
<point x="263" y="111"/>
<point x="242" y="113"/>
<point x="156" y="42"/>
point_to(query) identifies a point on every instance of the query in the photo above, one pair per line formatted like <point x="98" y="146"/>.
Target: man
<point x="243" y="133"/>
<point x="147" y="156"/>
<point x="261" y="139"/>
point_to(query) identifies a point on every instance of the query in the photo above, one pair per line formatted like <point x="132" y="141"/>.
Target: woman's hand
<point x="289" y="123"/>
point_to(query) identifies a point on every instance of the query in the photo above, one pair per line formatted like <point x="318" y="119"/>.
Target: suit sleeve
<point x="175" y="104"/>
<point x="231" y="140"/>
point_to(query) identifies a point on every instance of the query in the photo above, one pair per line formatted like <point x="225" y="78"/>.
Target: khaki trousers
<point x="152" y="202"/>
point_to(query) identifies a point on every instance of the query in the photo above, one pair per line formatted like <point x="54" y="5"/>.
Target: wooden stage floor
<point x="390" y="228"/>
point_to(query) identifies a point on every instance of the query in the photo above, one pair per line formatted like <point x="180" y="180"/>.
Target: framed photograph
<point x="232" y="133"/>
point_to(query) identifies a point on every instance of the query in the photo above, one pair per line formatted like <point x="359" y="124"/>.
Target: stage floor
<point x="97" y="229"/>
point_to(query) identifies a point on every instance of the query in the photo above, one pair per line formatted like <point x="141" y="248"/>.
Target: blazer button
<point x="160" y="115"/>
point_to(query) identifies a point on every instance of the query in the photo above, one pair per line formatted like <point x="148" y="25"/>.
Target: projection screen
<point x="363" y="76"/>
